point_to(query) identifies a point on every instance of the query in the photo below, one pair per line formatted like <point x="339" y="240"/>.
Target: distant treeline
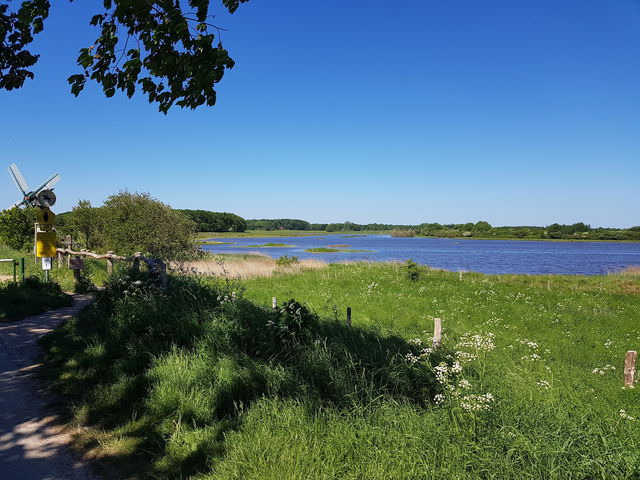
<point x="576" y="231"/>
<point x="294" y="224"/>
<point x="216" y="221"/>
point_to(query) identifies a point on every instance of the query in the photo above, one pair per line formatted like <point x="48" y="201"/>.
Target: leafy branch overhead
<point x="169" y="49"/>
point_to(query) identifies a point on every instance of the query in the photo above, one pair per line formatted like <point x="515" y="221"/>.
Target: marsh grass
<point x="246" y="266"/>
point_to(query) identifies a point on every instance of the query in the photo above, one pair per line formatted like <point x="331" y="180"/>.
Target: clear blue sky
<point x="510" y="111"/>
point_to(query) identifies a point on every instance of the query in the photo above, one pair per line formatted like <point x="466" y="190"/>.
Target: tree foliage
<point x="207" y="221"/>
<point x="85" y="222"/>
<point x="138" y="222"/>
<point x="16" y="227"/>
<point x="166" y="49"/>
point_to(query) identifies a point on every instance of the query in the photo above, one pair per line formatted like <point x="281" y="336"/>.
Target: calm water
<point x="487" y="256"/>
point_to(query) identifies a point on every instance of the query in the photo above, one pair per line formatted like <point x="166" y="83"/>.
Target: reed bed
<point x="253" y="266"/>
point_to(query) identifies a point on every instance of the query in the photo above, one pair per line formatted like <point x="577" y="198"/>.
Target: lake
<point x="486" y="256"/>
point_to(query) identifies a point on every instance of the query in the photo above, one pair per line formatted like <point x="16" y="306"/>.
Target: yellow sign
<point x="46" y="218"/>
<point x="46" y="244"/>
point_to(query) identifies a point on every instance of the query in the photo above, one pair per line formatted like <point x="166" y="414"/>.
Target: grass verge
<point x="22" y="299"/>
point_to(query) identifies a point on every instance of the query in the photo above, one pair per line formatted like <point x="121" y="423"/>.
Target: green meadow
<point x="205" y="381"/>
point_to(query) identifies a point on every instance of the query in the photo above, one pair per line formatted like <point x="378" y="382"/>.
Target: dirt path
<point x="32" y="443"/>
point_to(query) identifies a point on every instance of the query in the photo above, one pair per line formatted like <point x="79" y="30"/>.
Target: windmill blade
<point x="49" y="184"/>
<point x="19" y="180"/>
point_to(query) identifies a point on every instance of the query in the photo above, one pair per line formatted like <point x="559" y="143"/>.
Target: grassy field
<point x="205" y="381"/>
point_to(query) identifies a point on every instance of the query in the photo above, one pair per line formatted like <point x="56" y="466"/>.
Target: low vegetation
<point x="22" y="299"/>
<point x="334" y="250"/>
<point x="206" y="381"/>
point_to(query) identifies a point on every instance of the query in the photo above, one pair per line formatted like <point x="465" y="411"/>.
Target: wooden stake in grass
<point x="348" y="316"/>
<point x="274" y="303"/>
<point x="110" y="263"/>
<point x="549" y="285"/>
<point x="437" y="332"/>
<point x="460" y="275"/>
<point x="630" y="368"/>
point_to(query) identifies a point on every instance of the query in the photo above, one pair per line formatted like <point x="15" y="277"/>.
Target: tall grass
<point x="205" y="381"/>
<point x="161" y="378"/>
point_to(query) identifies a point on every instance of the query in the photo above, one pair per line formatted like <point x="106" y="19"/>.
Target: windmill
<point x="42" y="196"/>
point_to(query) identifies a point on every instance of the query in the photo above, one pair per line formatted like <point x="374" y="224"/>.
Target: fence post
<point x="549" y="285"/>
<point x="437" y="332"/>
<point x="76" y="273"/>
<point x="460" y="275"/>
<point x="630" y="368"/>
<point x="162" y="271"/>
<point x="15" y="270"/>
<point x="22" y="268"/>
<point x="348" y="316"/>
<point x="274" y="303"/>
<point x="110" y="263"/>
<point x="136" y="261"/>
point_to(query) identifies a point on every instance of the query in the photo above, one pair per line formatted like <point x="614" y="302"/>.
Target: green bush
<point x="413" y="270"/>
<point x="16" y="227"/>
<point x="285" y="261"/>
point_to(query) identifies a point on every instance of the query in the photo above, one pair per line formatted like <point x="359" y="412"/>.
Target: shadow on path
<point x="33" y="445"/>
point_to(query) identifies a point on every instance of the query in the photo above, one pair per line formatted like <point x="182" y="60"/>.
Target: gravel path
<point x="32" y="443"/>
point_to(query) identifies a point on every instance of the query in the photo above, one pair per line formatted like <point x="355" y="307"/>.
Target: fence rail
<point x="15" y="263"/>
<point x="155" y="265"/>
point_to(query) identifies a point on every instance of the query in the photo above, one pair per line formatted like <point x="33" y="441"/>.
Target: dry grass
<point x="253" y="267"/>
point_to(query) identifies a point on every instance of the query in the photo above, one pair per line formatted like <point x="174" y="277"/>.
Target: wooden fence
<point x="156" y="266"/>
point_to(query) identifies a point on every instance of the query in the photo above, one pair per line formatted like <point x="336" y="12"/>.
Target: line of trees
<point x="576" y="231"/>
<point x="481" y="229"/>
<point x="206" y="221"/>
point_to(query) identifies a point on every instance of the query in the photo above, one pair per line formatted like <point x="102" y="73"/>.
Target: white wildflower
<point x="625" y="416"/>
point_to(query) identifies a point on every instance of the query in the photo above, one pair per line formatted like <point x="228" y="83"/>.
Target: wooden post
<point x="76" y="272"/>
<point x="549" y="285"/>
<point x="162" y="271"/>
<point x="110" y="263"/>
<point x="274" y="303"/>
<point x="437" y="332"/>
<point x="630" y="368"/>
<point x="348" y="316"/>
<point x="460" y="275"/>
<point x="136" y="261"/>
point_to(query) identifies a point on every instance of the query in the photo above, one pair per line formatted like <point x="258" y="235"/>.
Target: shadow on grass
<point x="160" y="376"/>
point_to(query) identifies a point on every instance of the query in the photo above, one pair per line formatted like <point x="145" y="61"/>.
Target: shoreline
<point x="312" y="233"/>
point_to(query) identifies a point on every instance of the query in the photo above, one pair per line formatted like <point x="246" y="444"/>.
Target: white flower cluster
<point x="545" y="385"/>
<point x="625" y="416"/>
<point x="478" y="342"/>
<point x="531" y="358"/>
<point x="528" y="343"/>
<point x="415" y="341"/>
<point x="228" y="298"/>
<point x="608" y="343"/>
<point x="603" y="370"/>
<point x="476" y="403"/>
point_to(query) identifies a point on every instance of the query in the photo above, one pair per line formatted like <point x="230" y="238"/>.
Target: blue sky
<point x="509" y="111"/>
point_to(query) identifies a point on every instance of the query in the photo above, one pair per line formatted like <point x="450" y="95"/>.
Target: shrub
<point x="413" y="270"/>
<point x="285" y="261"/>
<point x="16" y="227"/>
